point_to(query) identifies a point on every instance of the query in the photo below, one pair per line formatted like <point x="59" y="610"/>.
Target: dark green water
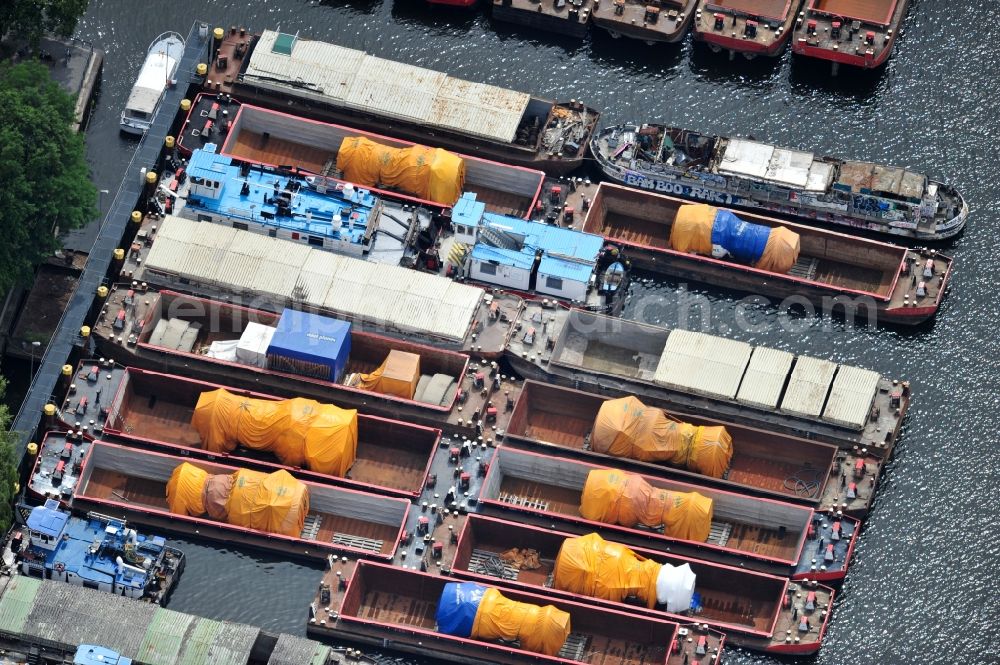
<point x="921" y="588"/>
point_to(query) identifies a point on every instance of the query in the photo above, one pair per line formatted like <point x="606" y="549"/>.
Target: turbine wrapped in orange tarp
<point x="591" y="566"/>
<point x="430" y="173"/>
<point x="468" y="609"/>
<point x="616" y="497"/>
<point x="626" y="427"/>
<point x="698" y="227"/>
<point x="272" y="502"/>
<point x="398" y="375"/>
<point x="300" y="432"/>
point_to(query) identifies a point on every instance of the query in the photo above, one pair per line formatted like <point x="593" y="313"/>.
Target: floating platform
<point x="713" y="377"/>
<point x="755" y="611"/>
<point x="860" y="33"/>
<point x="839" y="274"/>
<point x="567" y="18"/>
<point x="749" y="27"/>
<point x="652" y="22"/>
<point x="764" y="535"/>
<point x="561" y="421"/>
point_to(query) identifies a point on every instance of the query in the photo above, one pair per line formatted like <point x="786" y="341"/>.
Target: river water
<point x="921" y="585"/>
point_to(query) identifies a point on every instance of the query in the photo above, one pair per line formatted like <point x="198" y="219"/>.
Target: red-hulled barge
<point x="860" y="33"/>
<point x="750" y="27"/>
<point x="754" y="610"/>
<point x="837" y="273"/>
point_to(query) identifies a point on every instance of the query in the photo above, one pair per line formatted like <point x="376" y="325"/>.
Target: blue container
<point x="458" y="606"/>
<point x="310" y="345"/>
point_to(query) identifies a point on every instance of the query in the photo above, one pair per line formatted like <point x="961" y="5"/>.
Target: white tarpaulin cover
<point x="675" y="587"/>
<point x="252" y="347"/>
<point x="224" y="350"/>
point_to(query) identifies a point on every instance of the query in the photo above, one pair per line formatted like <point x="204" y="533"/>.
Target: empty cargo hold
<point x="702" y="363"/>
<point x="213" y="258"/>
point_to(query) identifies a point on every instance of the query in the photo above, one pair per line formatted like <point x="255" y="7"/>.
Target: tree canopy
<point x="8" y="466"/>
<point x="46" y="182"/>
<point x="31" y="19"/>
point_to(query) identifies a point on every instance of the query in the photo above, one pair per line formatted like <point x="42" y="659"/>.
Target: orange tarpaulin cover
<point x="398" y="375"/>
<point x="591" y="566"/>
<point x="539" y="629"/>
<point x="781" y="251"/>
<point x="430" y="173"/>
<point x="274" y="502"/>
<point x="616" y="497"/>
<point x="300" y="432"/>
<point x="626" y="427"/>
<point x="694" y="224"/>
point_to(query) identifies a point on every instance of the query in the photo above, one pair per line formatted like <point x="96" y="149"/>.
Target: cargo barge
<point x="755" y="611"/>
<point x="132" y="483"/>
<point x="280" y="140"/>
<point x="155" y="411"/>
<point x="713" y="377"/>
<point x="839" y="274"/>
<point x="294" y="74"/>
<point x="761" y="534"/>
<point x="397" y="608"/>
<point x="452" y="396"/>
<point x="860" y="33"/>
<point x="810" y="189"/>
<point x="749" y="27"/>
<point x="567" y="18"/>
<point x="660" y="21"/>
<point x="562" y="421"/>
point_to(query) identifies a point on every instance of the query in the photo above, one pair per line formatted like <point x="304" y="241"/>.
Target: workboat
<point x="567" y="18"/>
<point x="761" y="534"/>
<point x="749" y="27"/>
<point x="749" y="174"/>
<point x="96" y="551"/>
<point x="860" y="33"/>
<point x="335" y="520"/>
<point x="562" y="420"/>
<point x="182" y="416"/>
<point x="755" y="611"/>
<point x="651" y="22"/>
<point x="448" y="393"/>
<point x="158" y="71"/>
<point x="712" y="377"/>
<point x="416" y="612"/>
<point x="838" y="274"/>
<point x="337" y="84"/>
<point x="279" y="140"/>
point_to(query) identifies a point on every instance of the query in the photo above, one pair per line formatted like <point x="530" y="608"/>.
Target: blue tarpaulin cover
<point x="745" y="241"/>
<point x="310" y="345"/>
<point x="457" y="608"/>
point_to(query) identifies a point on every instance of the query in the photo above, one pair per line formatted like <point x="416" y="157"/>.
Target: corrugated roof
<point x="291" y="650"/>
<point x="164" y="637"/>
<point x="808" y="386"/>
<point x="851" y="396"/>
<point x="748" y="158"/>
<point x="564" y="269"/>
<point x="702" y="363"/>
<point x="505" y="257"/>
<point x="243" y="262"/>
<point x="17" y="601"/>
<point x="789" y="167"/>
<point x="765" y="377"/>
<point x="352" y="79"/>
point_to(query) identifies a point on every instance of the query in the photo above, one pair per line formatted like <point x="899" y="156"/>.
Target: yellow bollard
<point x="136" y="217"/>
<point x="150" y="177"/>
<point x="49" y="410"/>
<point x="201" y="69"/>
<point x="119" y="254"/>
<point x="84" y="332"/>
<point x="218" y="33"/>
<point x="185" y="105"/>
<point x="32" y="448"/>
<point x="102" y="291"/>
<point x="169" y="142"/>
<point x="67" y="370"/>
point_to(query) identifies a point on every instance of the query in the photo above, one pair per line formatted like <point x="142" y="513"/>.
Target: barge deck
<point x="860" y="33"/>
<point x="749" y="27"/>
<point x="839" y="274"/>
<point x="561" y="420"/>
<point x="660" y="21"/>
<point x="754" y="610"/>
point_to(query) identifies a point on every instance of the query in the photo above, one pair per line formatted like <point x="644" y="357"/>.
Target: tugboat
<point x="98" y="552"/>
<point x="158" y="70"/>
<point x="849" y="32"/>
<point x="800" y="185"/>
<point x="750" y="27"/>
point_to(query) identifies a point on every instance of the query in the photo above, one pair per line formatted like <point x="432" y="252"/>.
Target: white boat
<point x="158" y="70"/>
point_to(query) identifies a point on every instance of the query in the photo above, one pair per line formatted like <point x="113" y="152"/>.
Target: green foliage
<point x="31" y="19"/>
<point x="8" y="465"/>
<point x="46" y="182"/>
